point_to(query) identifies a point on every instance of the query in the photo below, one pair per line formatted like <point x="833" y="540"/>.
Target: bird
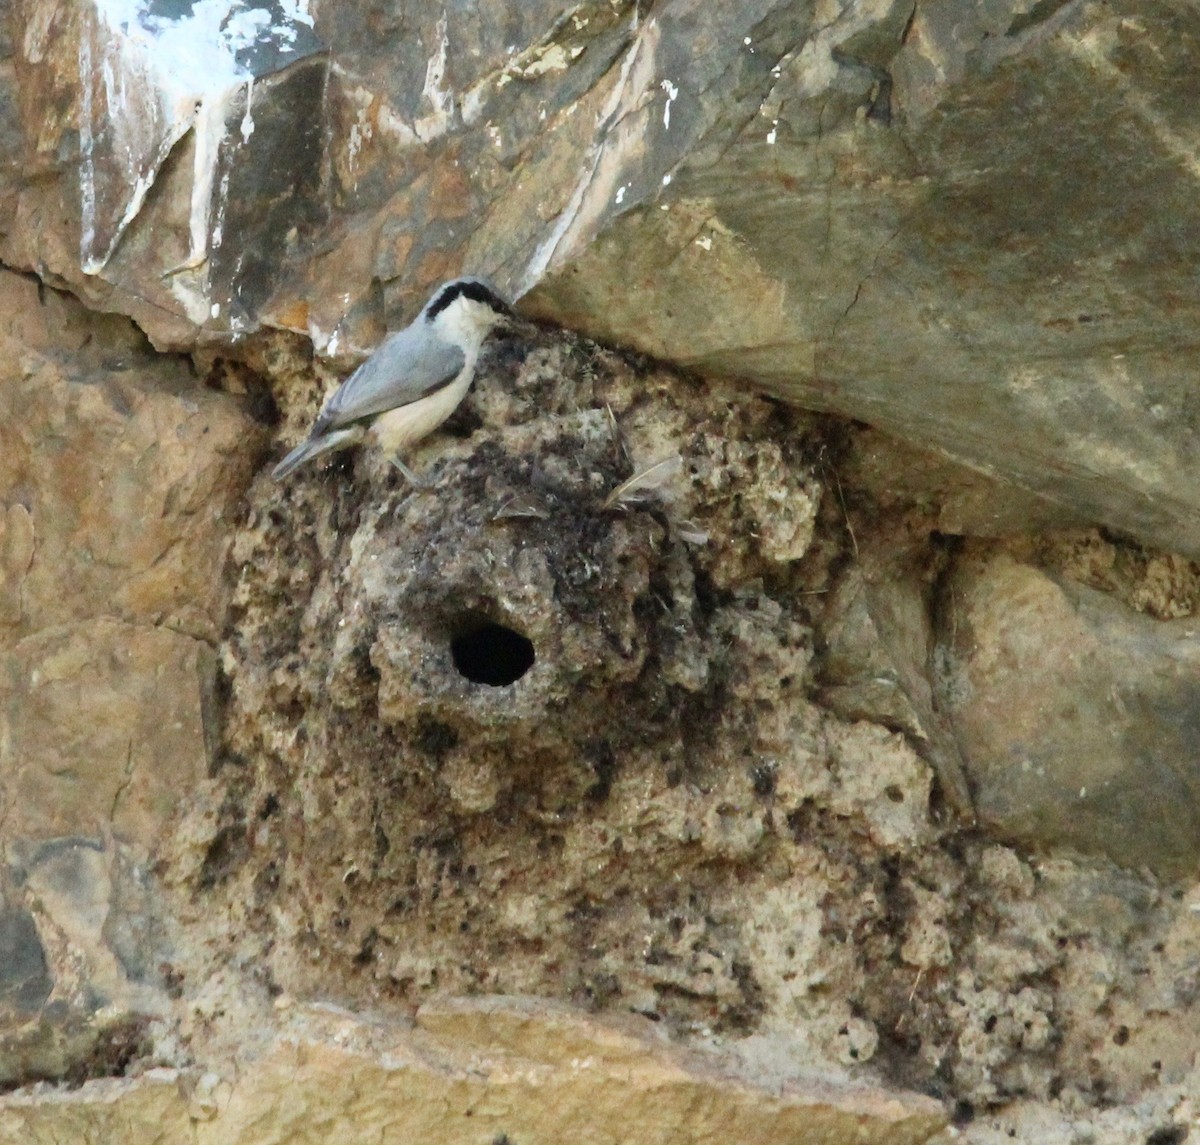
<point x="412" y="382"/>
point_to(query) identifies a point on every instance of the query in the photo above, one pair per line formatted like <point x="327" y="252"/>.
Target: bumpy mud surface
<point x="523" y="732"/>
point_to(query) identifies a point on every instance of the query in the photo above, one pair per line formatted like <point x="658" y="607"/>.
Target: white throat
<point x="466" y="323"/>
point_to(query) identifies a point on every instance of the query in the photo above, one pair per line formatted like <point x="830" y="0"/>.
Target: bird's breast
<point x="405" y="425"/>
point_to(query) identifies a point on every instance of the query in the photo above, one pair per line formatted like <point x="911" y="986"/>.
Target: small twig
<point x="845" y="516"/>
<point x="615" y="429"/>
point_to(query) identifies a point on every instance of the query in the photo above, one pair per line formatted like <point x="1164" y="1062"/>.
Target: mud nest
<point x="547" y="727"/>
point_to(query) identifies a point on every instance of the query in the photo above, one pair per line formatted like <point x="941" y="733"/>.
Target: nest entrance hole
<point x="487" y="652"/>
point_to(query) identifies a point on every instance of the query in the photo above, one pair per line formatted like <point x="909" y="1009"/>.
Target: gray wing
<point x="406" y="366"/>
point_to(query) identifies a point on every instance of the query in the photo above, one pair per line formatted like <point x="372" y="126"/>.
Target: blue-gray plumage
<point x="414" y="379"/>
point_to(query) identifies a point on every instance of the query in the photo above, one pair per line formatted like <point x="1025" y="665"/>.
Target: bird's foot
<point x="410" y="476"/>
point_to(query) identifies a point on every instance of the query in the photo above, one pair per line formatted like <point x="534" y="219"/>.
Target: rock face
<point x="641" y="707"/>
<point x="917" y="224"/>
<point x="1078" y="714"/>
<point x="524" y="733"/>
<point x="118" y="472"/>
<point x="971" y="226"/>
<point x="482" y="1071"/>
<point x="856" y="771"/>
<point x="159" y="132"/>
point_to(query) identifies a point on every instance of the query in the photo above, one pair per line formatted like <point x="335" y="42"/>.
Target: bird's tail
<point x="313" y="447"/>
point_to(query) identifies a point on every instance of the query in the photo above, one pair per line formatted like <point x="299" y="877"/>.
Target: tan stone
<point x="478" y="1070"/>
<point x="101" y="726"/>
<point x="117" y="473"/>
<point x="1075" y="713"/>
<point x="16" y="555"/>
<point x="965" y="502"/>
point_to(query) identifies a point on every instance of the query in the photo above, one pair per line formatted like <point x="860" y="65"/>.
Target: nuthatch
<point x="413" y="381"/>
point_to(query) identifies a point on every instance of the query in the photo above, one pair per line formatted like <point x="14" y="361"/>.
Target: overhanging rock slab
<point x="1003" y="266"/>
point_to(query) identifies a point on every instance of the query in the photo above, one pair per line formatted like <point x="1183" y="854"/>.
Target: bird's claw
<point x="411" y="477"/>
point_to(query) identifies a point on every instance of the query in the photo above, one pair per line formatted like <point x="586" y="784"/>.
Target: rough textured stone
<point x="901" y="480"/>
<point x="1075" y="713"/>
<point x="82" y="962"/>
<point x="725" y="855"/>
<point x="663" y="603"/>
<point x="117" y="472"/>
<point x="909" y="273"/>
<point x="24" y="983"/>
<point x="163" y="131"/>
<point x="775" y="883"/>
<point x="866" y="207"/>
<point x="103" y="727"/>
<point x="878" y="644"/>
<point x="485" y="1070"/>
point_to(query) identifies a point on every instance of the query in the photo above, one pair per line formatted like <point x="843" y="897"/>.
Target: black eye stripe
<point x="468" y="288"/>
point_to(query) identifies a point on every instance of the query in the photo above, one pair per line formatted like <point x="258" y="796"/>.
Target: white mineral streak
<point x="296" y="12"/>
<point x="672" y="91"/>
<point x="440" y="98"/>
<point x="247" y="125"/>
<point x="87" y="144"/>
<point x="161" y="76"/>
<point x="218" y="228"/>
<point x="617" y="143"/>
<point x="372" y="114"/>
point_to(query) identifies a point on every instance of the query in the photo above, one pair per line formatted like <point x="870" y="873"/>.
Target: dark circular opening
<point x="489" y="653"/>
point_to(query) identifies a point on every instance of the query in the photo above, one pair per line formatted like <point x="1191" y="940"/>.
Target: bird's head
<point x="467" y="310"/>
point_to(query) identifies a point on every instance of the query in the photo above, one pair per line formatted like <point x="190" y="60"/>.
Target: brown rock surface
<point x="1076" y="713"/>
<point x="487" y="1070"/>
<point x="117" y="472"/>
<point x="105" y="727"/>
<point x="117" y="475"/>
<point x="971" y="225"/>
<point x="655" y="817"/>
